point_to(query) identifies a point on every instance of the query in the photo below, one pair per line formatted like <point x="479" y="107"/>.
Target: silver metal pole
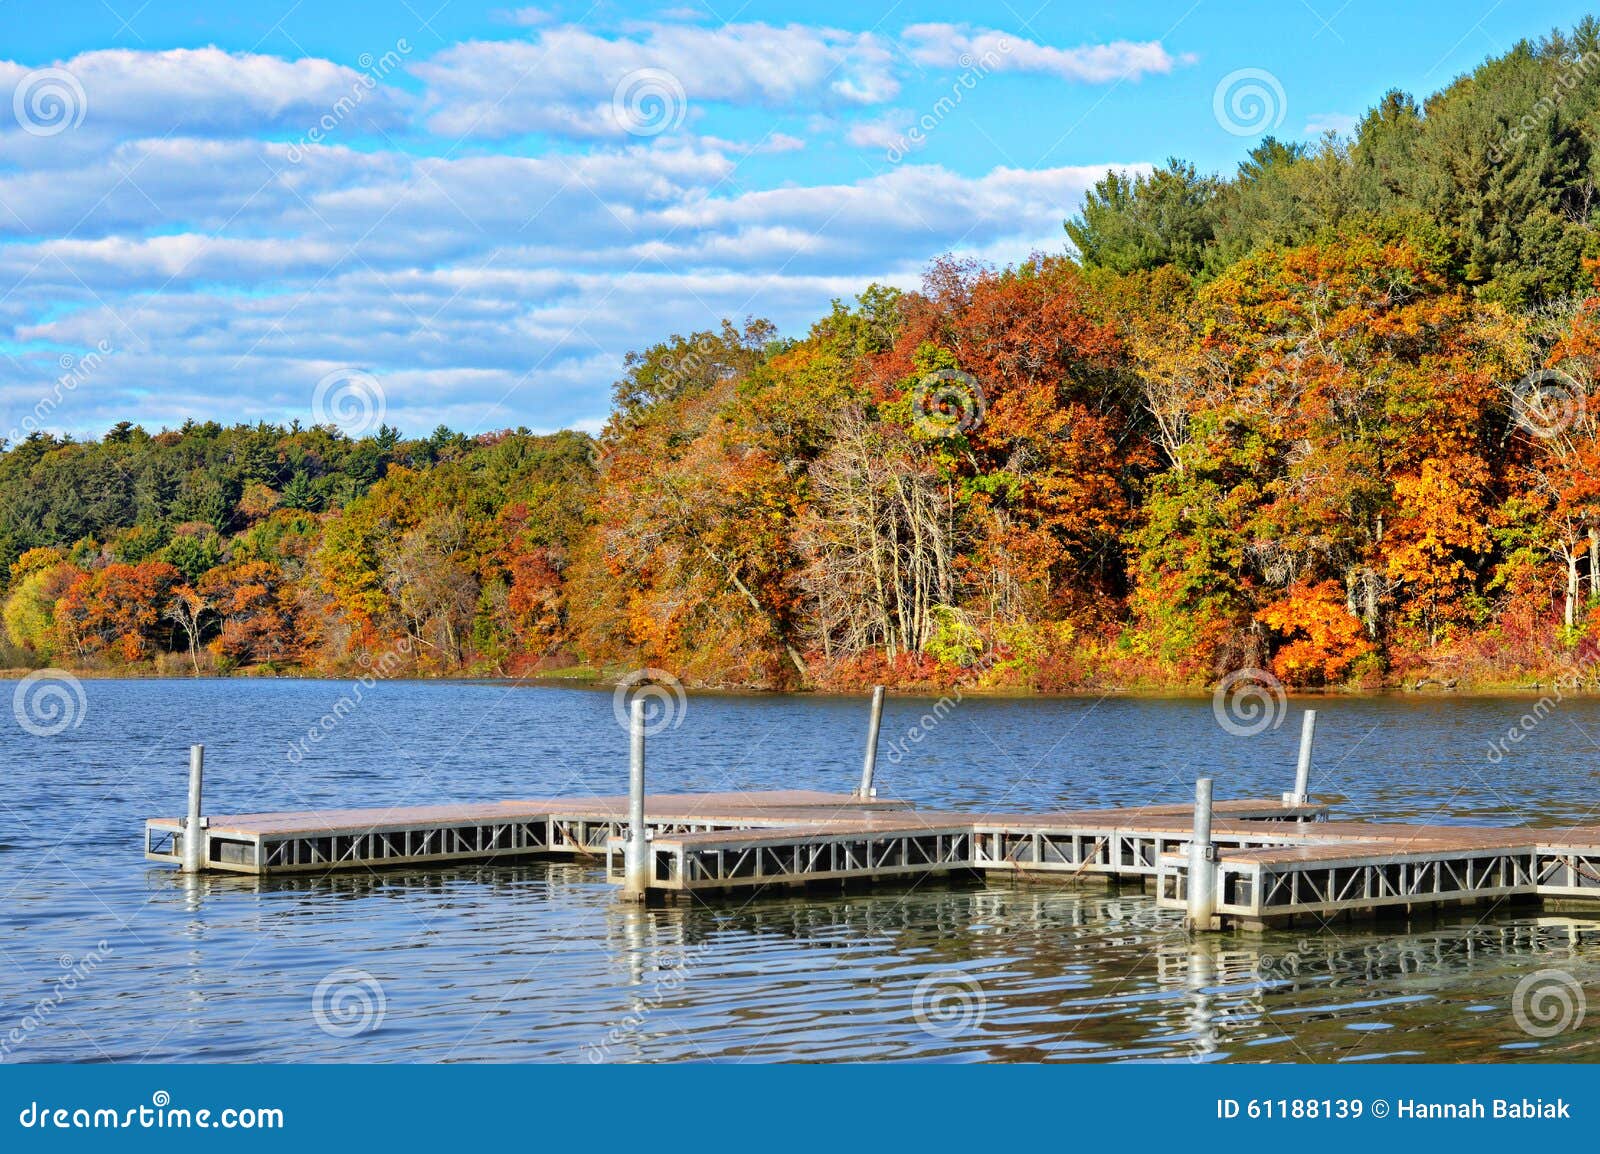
<point x="870" y="761"/>
<point x="1302" y="771"/>
<point x="1202" y="861"/>
<point x="194" y="827"/>
<point x="636" y="860"/>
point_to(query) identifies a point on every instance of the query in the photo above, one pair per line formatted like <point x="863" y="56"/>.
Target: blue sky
<point x="467" y="213"/>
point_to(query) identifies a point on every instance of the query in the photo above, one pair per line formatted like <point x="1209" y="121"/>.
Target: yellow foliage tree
<point x="1440" y="524"/>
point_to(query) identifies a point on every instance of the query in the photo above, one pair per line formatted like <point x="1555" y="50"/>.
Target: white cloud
<point x="564" y="79"/>
<point x="191" y="223"/>
<point x="779" y="142"/>
<point x="884" y="132"/>
<point x="960" y="46"/>
<point x="772" y="144"/>
<point x="205" y="91"/>
<point x="483" y="291"/>
<point x="1338" y="122"/>
<point x="523" y="17"/>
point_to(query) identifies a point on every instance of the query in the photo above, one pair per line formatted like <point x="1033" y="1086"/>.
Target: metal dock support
<point x="1302" y="769"/>
<point x="636" y="882"/>
<point x="196" y="843"/>
<point x="870" y="760"/>
<point x="1202" y="895"/>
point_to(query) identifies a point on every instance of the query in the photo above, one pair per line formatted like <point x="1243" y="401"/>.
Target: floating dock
<point x="685" y="827"/>
<point x="1260" y="862"/>
<point x="278" y="843"/>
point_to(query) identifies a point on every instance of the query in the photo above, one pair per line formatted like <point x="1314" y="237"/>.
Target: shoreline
<point x="608" y="681"/>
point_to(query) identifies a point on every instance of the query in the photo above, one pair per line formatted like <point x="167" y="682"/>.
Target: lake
<point x="106" y="958"/>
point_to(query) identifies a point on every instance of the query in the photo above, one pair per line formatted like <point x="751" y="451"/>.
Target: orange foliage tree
<point x="116" y="610"/>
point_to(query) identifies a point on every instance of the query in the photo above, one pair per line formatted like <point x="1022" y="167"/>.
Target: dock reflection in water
<point x="540" y="963"/>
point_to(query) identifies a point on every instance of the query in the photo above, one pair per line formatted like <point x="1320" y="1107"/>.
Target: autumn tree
<point x="1436" y="540"/>
<point x="254" y="609"/>
<point x="116" y="611"/>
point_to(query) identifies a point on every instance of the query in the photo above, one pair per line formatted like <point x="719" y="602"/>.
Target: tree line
<point x="1333" y="416"/>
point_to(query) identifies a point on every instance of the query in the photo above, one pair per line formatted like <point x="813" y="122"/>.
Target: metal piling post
<point x="194" y="826"/>
<point x="870" y="761"/>
<point x="1202" y="862"/>
<point x="636" y="857"/>
<point x="1302" y="770"/>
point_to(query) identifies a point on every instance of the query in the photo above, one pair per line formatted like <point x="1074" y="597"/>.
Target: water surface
<point x="537" y="962"/>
